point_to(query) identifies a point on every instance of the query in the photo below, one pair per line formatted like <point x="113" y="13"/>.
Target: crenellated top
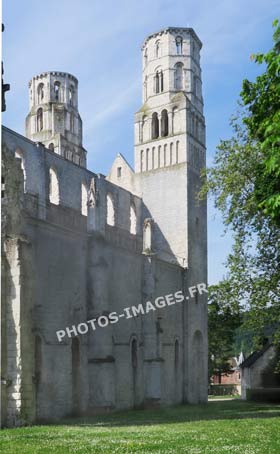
<point x="175" y="30"/>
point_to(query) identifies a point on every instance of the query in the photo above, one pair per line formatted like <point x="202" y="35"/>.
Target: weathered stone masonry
<point x="77" y="245"/>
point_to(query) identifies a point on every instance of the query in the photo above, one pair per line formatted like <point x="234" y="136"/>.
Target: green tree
<point x="223" y="320"/>
<point x="244" y="182"/>
<point x="262" y="99"/>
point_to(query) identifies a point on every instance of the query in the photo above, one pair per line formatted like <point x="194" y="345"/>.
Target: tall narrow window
<point x="71" y="96"/>
<point x="72" y="122"/>
<point x="146" y="57"/>
<point x="57" y="91"/>
<point x="19" y="155"/>
<point x="164" y="155"/>
<point x="39" y="119"/>
<point x="157" y="81"/>
<point x="84" y="200"/>
<point x="157" y="49"/>
<point x="110" y="210"/>
<point x="178" y="76"/>
<point x="133" y="219"/>
<point x="146" y="88"/>
<point x="155" y="126"/>
<point x="171" y="154"/>
<point x="161" y="81"/>
<point x="179" y="45"/>
<point x="51" y="146"/>
<point x="40" y="93"/>
<point x="164" y="123"/>
<point x="153" y="157"/>
<point x="177" y="151"/>
<point x="147" y="159"/>
<point x="142" y="160"/>
<point x="54" y="187"/>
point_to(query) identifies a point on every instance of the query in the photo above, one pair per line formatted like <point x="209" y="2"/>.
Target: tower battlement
<point x="53" y="117"/>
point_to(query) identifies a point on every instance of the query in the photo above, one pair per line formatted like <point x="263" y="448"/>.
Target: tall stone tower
<point x="170" y="139"/>
<point x="53" y="117"/>
<point x="169" y="156"/>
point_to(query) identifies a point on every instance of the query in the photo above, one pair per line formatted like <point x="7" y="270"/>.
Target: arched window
<point x="39" y="119"/>
<point x="68" y="154"/>
<point x="110" y="210"/>
<point x="164" y="155"/>
<point x="142" y="160"/>
<point x="147" y="159"/>
<point x="177" y="151"/>
<point x="161" y="81"/>
<point x="164" y="123"/>
<point x="146" y="88"/>
<point x="84" y="200"/>
<point x="133" y="219"/>
<point x="178" y="76"/>
<point x="134" y="353"/>
<point x="19" y="155"/>
<point x="54" y="187"/>
<point x="71" y="96"/>
<point x="155" y="126"/>
<point x="57" y="91"/>
<point x="171" y="153"/>
<point x="157" y="49"/>
<point x="40" y="93"/>
<point x="179" y="45"/>
<point x="153" y="157"/>
<point x="51" y="146"/>
<point x="158" y="80"/>
<point x="72" y="122"/>
<point x="146" y="57"/>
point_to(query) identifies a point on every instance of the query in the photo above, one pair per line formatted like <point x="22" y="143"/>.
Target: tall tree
<point x="244" y="182"/>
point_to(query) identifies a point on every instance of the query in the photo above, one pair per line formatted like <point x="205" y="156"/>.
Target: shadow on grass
<point x="235" y="409"/>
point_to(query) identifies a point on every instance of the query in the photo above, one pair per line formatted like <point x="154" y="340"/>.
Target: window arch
<point x="39" y="119"/>
<point x="146" y="56"/>
<point x="72" y="122"/>
<point x="171" y="153"/>
<point x="57" y="91"/>
<point x="155" y="126"/>
<point x="54" y="187"/>
<point x="110" y="210"/>
<point x="158" y="81"/>
<point x="133" y="219"/>
<point x="71" y="95"/>
<point x="84" y="200"/>
<point x="179" y="45"/>
<point x="147" y="159"/>
<point x="157" y="49"/>
<point x="134" y="354"/>
<point x="19" y="155"/>
<point x="40" y="91"/>
<point x="142" y="160"/>
<point x="178" y="76"/>
<point x="164" y="123"/>
<point x="177" y="151"/>
<point x="51" y="146"/>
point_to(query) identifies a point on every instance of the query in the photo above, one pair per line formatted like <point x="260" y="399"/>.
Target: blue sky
<point x="99" y="42"/>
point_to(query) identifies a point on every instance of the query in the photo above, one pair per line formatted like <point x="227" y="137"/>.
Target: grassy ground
<point x="218" y="427"/>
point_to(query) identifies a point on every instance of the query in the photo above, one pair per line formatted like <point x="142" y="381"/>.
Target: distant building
<point x="257" y="370"/>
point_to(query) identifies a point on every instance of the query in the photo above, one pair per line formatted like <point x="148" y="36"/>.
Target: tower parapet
<point x="53" y="117"/>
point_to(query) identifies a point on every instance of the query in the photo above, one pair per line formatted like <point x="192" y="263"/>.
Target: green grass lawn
<point x="218" y="427"/>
